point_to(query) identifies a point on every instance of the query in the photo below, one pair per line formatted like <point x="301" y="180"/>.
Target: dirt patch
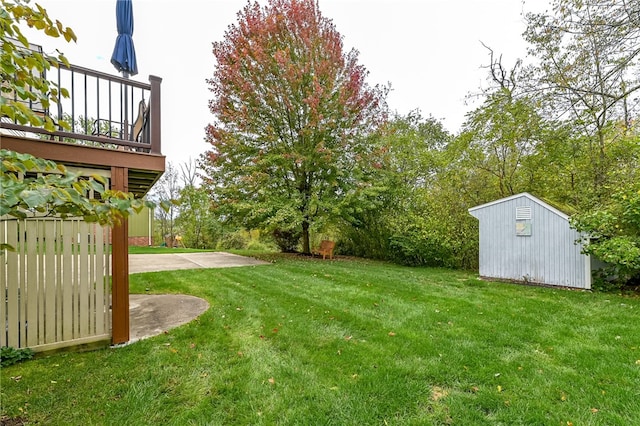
<point x="13" y="421"/>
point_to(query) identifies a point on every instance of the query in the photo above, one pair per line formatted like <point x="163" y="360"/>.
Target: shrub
<point x="287" y="240"/>
<point x="611" y="233"/>
<point x="233" y="241"/>
<point x="10" y="356"/>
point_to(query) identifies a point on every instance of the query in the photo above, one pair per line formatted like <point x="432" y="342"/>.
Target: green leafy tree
<point x="500" y="135"/>
<point x="24" y="70"/>
<point x="290" y="110"/>
<point x="197" y="224"/>
<point x="199" y="228"/>
<point x="612" y="234"/>
<point x="402" y="220"/>
<point x="588" y="73"/>
<point x="166" y="192"/>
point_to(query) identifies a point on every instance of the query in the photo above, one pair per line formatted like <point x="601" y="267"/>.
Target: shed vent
<point x="523" y="213"/>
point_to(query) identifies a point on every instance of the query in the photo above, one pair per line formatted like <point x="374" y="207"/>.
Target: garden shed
<point x="525" y="239"/>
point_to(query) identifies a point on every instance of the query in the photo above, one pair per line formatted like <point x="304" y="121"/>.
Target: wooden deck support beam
<point x="120" y="267"/>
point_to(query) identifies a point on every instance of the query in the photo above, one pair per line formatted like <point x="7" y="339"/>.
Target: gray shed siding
<point x="548" y="255"/>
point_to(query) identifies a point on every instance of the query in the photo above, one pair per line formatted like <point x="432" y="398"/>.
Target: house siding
<point x="548" y="255"/>
<point x="141" y="228"/>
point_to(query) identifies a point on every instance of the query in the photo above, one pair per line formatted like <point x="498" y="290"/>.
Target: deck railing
<point x="102" y="110"/>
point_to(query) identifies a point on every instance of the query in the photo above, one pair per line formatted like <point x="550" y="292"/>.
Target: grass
<point x="352" y="342"/>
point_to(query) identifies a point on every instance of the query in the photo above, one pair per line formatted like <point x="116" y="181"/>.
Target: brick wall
<point x="139" y="241"/>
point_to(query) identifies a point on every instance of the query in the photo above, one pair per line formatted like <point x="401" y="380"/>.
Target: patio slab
<point x="173" y="261"/>
<point x="153" y="314"/>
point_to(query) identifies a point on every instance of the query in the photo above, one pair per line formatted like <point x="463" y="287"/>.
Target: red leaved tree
<point x="291" y="111"/>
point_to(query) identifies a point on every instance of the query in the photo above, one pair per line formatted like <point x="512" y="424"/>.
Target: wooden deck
<point x="100" y="129"/>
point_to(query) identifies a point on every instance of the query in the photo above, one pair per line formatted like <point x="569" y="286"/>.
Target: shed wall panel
<point x="548" y="256"/>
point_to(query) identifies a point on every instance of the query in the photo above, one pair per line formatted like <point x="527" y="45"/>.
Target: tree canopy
<point x="23" y="69"/>
<point x="291" y="108"/>
<point x="588" y="72"/>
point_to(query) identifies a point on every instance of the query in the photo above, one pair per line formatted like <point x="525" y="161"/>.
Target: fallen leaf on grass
<point x="499" y="388"/>
<point x="391" y="333"/>
<point x="16" y="378"/>
<point x="594" y="410"/>
<point x="272" y="381"/>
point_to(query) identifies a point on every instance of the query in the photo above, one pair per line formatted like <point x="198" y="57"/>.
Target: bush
<point x="10" y="356"/>
<point x="259" y="246"/>
<point x="287" y="240"/>
<point x="233" y="241"/>
<point x="414" y="249"/>
<point x="611" y="233"/>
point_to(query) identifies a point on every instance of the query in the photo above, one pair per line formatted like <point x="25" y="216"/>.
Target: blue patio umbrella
<point x="124" y="54"/>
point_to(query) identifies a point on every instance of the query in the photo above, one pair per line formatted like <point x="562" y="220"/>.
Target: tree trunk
<point x="306" y="247"/>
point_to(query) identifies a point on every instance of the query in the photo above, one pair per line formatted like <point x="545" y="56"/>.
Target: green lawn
<point x="352" y="342"/>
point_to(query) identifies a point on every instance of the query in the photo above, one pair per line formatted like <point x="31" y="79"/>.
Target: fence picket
<point x="102" y="277"/>
<point x="13" y="291"/>
<point x="50" y="278"/>
<point x="68" y="280"/>
<point x="84" y="274"/>
<point x="32" y="282"/>
<point x="22" y="283"/>
<point x="3" y="285"/>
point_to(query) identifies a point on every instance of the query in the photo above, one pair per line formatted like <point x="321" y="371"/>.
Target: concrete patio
<point x="153" y="314"/>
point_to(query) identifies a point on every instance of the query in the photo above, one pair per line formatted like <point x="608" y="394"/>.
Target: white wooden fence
<point x="55" y="284"/>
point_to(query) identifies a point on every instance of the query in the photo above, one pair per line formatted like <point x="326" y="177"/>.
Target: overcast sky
<point x="430" y="51"/>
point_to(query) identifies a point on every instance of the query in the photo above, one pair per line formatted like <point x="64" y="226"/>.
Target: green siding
<point x="139" y="224"/>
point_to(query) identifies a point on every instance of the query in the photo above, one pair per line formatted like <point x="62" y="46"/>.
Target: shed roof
<point x="525" y="195"/>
